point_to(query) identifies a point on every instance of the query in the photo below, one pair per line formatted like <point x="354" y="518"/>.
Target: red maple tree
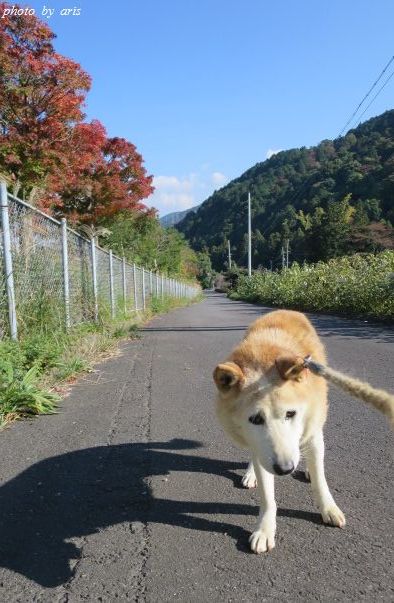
<point x="41" y="99"/>
<point x="44" y="143"/>
<point x="109" y="178"/>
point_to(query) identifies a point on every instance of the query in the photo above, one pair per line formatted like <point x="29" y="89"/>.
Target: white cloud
<point x="272" y="152"/>
<point x="172" y="183"/>
<point x="218" y="179"/>
<point x="176" y="201"/>
<point x="173" y="193"/>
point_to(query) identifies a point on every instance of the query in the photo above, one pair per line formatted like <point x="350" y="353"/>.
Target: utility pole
<point x="229" y="254"/>
<point x="249" y="237"/>
<point x="287" y="253"/>
<point x="283" y="257"/>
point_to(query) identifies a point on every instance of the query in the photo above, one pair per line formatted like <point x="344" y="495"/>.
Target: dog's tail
<point x="380" y="399"/>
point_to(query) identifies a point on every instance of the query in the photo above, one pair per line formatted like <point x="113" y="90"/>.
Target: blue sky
<point x="207" y="88"/>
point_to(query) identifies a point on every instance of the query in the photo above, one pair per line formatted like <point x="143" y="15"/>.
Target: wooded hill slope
<point x="176" y="216"/>
<point x="328" y="200"/>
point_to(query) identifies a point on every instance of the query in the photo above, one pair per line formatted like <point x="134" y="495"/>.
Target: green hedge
<point x="357" y="284"/>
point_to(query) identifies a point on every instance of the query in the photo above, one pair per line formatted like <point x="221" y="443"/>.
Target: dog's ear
<point x="290" y="367"/>
<point x="227" y="375"/>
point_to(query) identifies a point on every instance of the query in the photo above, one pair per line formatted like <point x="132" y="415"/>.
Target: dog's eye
<point x="290" y="414"/>
<point x="257" y="419"/>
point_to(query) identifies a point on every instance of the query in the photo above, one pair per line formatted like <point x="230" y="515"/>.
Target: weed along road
<point x="133" y="491"/>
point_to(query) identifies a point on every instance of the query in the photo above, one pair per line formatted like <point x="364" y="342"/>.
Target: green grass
<point x="162" y="305"/>
<point x="21" y="395"/>
<point x="47" y="357"/>
<point x="70" y="368"/>
<point x="31" y="368"/>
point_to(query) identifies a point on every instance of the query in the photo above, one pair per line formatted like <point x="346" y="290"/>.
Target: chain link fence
<point x="52" y="275"/>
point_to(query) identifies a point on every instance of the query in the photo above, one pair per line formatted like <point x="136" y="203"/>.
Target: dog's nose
<point x="284" y="468"/>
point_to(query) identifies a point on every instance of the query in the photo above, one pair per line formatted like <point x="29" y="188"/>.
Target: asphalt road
<point x="132" y="492"/>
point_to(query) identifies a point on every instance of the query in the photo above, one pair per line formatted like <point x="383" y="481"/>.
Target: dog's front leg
<point x="249" y="479"/>
<point x="263" y="538"/>
<point x="329" y="510"/>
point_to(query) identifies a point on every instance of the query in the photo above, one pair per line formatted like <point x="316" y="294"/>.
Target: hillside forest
<point x="334" y="199"/>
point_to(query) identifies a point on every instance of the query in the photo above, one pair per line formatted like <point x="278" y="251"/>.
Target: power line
<point x="296" y="194"/>
<point x="377" y="94"/>
<point x="366" y="96"/>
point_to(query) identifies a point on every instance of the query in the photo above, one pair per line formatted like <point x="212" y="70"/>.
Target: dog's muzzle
<point x="284" y="468"/>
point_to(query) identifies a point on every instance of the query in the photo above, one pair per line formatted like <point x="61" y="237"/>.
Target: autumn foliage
<point x="64" y="164"/>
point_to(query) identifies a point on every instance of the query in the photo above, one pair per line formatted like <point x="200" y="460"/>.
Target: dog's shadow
<point x="79" y="493"/>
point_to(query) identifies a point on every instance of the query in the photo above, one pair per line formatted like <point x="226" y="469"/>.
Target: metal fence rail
<point x="51" y="273"/>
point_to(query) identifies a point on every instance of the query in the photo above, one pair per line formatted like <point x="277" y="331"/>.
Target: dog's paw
<point x="249" y="479"/>
<point x="307" y="475"/>
<point x="262" y="541"/>
<point x="333" y="516"/>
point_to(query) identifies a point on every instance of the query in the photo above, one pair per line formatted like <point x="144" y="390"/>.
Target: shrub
<point x="357" y="284"/>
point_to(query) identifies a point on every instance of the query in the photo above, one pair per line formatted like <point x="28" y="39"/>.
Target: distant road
<point x="132" y="492"/>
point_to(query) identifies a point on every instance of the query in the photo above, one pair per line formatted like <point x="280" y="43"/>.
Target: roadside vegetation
<point x="325" y="201"/>
<point x="66" y="166"/>
<point x="361" y="284"/>
<point x="36" y="371"/>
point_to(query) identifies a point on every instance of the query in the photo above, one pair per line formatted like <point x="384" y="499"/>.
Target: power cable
<point x="298" y="192"/>
<point x="377" y="94"/>
<point x="366" y="96"/>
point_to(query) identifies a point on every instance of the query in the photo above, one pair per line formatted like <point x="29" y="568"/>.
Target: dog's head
<point x="265" y="411"/>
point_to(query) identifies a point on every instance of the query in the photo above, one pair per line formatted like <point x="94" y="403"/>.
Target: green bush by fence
<point x="359" y="284"/>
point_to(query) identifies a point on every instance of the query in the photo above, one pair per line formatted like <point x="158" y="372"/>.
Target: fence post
<point x="94" y="277"/>
<point x="143" y="289"/>
<point x="111" y="284"/>
<point x="151" y="283"/>
<point x="66" y="281"/>
<point x="8" y="273"/>
<point x="162" y="285"/>
<point x="157" y="285"/>
<point x="124" y="284"/>
<point x="135" y="288"/>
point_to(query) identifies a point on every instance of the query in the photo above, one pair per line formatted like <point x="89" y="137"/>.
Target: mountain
<point x="176" y="216"/>
<point x="328" y="200"/>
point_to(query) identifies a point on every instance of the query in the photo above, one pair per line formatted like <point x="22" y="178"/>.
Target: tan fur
<point x="282" y="334"/>
<point x="270" y="403"/>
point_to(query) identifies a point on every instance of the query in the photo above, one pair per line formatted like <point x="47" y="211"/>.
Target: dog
<point x="270" y="403"/>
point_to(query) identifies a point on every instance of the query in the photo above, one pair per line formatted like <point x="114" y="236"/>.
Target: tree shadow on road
<point x="82" y="492"/>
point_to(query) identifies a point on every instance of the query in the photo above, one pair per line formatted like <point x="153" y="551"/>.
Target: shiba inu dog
<point x="270" y="403"/>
